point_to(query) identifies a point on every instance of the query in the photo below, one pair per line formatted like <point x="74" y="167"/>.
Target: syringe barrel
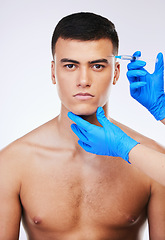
<point x="128" y="57"/>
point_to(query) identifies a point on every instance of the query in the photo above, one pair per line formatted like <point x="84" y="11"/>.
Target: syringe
<point x="127" y="57"/>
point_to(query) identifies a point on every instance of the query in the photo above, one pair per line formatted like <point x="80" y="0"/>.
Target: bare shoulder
<point x="11" y="160"/>
<point x="140" y="137"/>
<point x="11" y="166"/>
<point x="20" y="151"/>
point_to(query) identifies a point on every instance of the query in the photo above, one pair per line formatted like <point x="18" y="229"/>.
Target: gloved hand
<point x="146" y="88"/>
<point x="107" y="140"/>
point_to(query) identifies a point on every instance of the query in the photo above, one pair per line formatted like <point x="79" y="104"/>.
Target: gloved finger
<point x="159" y="65"/>
<point x="138" y="64"/>
<point x="137" y="54"/>
<point x="101" y="117"/>
<point x="79" y="121"/>
<point x="132" y="79"/>
<point x="136" y="73"/>
<point x="79" y="132"/>
<point x="85" y="146"/>
<point x="136" y="85"/>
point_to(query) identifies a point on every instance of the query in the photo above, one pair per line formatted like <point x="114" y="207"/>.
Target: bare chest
<point x="70" y="195"/>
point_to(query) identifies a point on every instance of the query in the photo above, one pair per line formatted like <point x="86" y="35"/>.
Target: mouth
<point x="83" y="96"/>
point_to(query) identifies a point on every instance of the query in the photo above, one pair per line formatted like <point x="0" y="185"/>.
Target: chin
<point x="84" y="111"/>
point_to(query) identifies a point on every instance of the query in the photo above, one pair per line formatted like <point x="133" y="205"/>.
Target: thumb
<point x="159" y="65"/>
<point x="137" y="54"/>
<point x="101" y="116"/>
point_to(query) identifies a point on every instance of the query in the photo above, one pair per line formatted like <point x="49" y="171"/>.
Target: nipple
<point x="132" y="219"/>
<point x="36" y="220"/>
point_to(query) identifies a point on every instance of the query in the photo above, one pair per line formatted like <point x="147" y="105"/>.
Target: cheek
<point x="104" y="87"/>
<point x="104" y="82"/>
<point x="64" y="85"/>
<point x="60" y="83"/>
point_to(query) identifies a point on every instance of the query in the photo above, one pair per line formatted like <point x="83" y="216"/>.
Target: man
<point x="110" y="140"/>
<point x="60" y="190"/>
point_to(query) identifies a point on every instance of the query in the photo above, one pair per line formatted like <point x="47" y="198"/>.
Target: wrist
<point x="133" y="154"/>
<point x="130" y="143"/>
<point x="163" y="121"/>
<point x="158" y="110"/>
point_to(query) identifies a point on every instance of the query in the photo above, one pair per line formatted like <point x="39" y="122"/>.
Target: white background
<point x="27" y="97"/>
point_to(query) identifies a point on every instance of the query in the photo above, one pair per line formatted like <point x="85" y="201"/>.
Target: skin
<point x="163" y="121"/>
<point x="149" y="161"/>
<point x="63" y="192"/>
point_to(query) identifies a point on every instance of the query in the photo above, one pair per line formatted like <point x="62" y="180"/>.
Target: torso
<point x="65" y="197"/>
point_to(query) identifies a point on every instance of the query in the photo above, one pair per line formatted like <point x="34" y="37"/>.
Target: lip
<point x="83" y="96"/>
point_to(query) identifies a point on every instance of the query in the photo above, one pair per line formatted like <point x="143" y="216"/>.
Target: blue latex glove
<point x="146" y="88"/>
<point x="107" y="140"/>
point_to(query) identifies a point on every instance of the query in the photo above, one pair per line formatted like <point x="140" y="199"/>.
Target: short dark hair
<point x="85" y="26"/>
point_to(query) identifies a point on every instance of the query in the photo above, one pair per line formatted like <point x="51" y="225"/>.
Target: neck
<point x="64" y="123"/>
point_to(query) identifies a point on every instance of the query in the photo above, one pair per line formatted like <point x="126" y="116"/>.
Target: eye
<point x="70" y="66"/>
<point x="98" y="67"/>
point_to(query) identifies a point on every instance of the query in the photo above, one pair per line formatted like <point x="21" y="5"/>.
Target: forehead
<point x="83" y="50"/>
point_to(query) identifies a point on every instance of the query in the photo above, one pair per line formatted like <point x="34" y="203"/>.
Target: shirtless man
<point x="61" y="191"/>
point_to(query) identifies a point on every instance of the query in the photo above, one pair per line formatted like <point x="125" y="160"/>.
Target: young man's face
<point x="84" y="72"/>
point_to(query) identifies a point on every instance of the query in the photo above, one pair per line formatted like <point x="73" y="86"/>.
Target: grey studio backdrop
<point x="27" y="97"/>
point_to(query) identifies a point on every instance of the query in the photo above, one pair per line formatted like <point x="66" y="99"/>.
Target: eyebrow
<point x="102" y="60"/>
<point x="63" y="60"/>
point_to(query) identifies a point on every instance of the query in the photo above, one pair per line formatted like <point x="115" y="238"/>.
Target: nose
<point x="83" y="79"/>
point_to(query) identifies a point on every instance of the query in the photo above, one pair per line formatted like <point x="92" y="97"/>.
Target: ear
<point x="116" y="72"/>
<point x="53" y="72"/>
